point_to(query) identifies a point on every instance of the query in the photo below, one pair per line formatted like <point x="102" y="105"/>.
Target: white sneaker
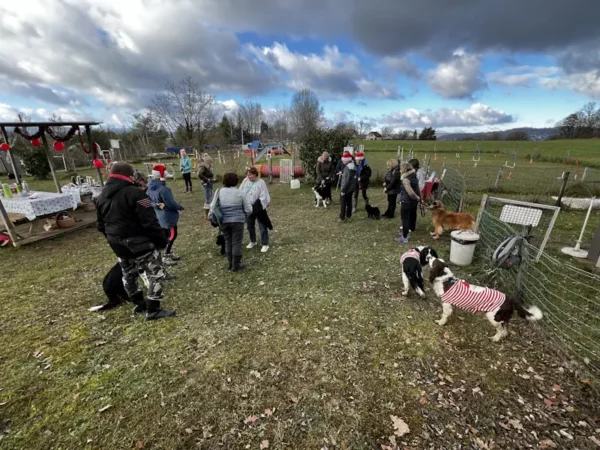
<point x="264" y="249"/>
<point x="251" y="245"/>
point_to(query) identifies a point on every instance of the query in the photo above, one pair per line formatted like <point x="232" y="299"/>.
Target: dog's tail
<point x="415" y="277"/>
<point x="532" y="313"/>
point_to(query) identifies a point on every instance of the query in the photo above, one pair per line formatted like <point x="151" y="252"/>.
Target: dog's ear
<point x="436" y="270"/>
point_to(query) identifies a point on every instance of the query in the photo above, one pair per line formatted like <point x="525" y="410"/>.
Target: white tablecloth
<point x="42" y="203"/>
<point x="83" y="189"/>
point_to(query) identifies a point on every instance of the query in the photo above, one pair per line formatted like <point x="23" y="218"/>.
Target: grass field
<point x="312" y="347"/>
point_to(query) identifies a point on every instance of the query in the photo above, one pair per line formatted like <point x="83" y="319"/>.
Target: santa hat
<point x="346" y="157"/>
<point x="359" y="156"/>
<point x="159" y="171"/>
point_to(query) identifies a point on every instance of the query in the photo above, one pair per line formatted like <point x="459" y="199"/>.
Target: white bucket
<point x="462" y="247"/>
<point x="295" y="184"/>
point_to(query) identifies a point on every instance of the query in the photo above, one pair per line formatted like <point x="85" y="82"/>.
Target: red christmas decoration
<point x="5" y="147"/>
<point x="98" y="164"/>
<point x="36" y="142"/>
<point x="58" y="146"/>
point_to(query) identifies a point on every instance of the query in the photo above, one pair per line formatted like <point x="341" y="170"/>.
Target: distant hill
<point x="535" y="134"/>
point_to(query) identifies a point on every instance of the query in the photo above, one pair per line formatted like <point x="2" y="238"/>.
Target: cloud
<point x="458" y="78"/>
<point x="10" y="113"/>
<point x="585" y="83"/>
<point x="403" y="66"/>
<point x="521" y="76"/>
<point x="332" y="74"/>
<point x="476" y="115"/>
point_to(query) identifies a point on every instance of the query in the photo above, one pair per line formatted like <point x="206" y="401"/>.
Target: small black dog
<point x="221" y="243"/>
<point x="113" y="289"/>
<point x="373" y="212"/>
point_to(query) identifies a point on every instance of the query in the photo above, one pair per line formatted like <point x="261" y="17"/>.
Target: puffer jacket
<point x="205" y="173"/>
<point x="363" y="170"/>
<point x="324" y="169"/>
<point x="349" y="179"/>
<point x="392" y="181"/>
<point x="159" y="193"/>
<point x="410" y="187"/>
<point x="124" y="213"/>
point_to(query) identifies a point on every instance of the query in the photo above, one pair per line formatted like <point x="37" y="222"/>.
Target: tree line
<point x="582" y="124"/>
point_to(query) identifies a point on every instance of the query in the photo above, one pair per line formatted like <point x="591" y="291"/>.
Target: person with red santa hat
<point x="166" y="208"/>
<point x="348" y="186"/>
<point x="363" y="171"/>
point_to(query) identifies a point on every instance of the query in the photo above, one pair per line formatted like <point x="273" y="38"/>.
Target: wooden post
<point x="88" y="132"/>
<point x="11" y="158"/>
<point x="50" y="160"/>
<point x="498" y="178"/>
<point x="585" y="172"/>
<point x="293" y="163"/>
<point x="482" y="206"/>
<point x="9" y="225"/>
<point x="270" y="169"/>
<point x="565" y="180"/>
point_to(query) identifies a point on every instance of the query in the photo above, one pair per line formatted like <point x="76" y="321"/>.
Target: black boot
<point x="139" y="301"/>
<point x="155" y="312"/>
<point x="237" y="264"/>
<point x="230" y="262"/>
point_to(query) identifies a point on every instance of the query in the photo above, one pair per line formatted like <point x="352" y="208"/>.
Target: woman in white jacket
<point x="256" y="190"/>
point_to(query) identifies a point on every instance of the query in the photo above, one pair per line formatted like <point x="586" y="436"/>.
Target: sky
<point x="461" y="65"/>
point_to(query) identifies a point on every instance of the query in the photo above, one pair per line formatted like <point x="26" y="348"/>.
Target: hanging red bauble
<point x="5" y="147"/>
<point x="36" y="142"/>
<point x="58" y="146"/>
<point x="98" y="164"/>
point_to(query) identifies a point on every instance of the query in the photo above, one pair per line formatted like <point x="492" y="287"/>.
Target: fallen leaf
<point x="423" y="400"/>
<point x="548" y="403"/>
<point x="284" y="321"/>
<point x="481" y="444"/>
<point x="262" y="283"/>
<point x="516" y="424"/>
<point x="292" y="397"/>
<point x="547" y="443"/>
<point x="264" y="444"/>
<point x="567" y="435"/>
<point x="183" y="372"/>
<point x="446" y="336"/>
<point x="556" y="387"/>
<point x="75" y="395"/>
<point x="400" y="426"/>
<point x="268" y="412"/>
<point x="189" y="431"/>
<point x="139" y="444"/>
<point x="104" y="409"/>
<point x="255" y="373"/>
<point x="99" y="343"/>
<point x="251" y="419"/>
<point x="595" y="440"/>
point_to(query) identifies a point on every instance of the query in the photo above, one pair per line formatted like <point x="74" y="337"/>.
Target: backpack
<point x="508" y="254"/>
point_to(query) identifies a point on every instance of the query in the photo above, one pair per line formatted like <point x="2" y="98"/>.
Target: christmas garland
<point x="28" y="136"/>
<point x="83" y="147"/>
<point x="64" y="138"/>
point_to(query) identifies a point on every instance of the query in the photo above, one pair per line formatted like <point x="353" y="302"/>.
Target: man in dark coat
<point x="126" y="217"/>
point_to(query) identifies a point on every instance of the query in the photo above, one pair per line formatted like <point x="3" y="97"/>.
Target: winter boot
<point x="230" y="262"/>
<point x="155" y="312"/>
<point x="139" y="301"/>
<point x="237" y="264"/>
<point x="168" y="261"/>
<point x="206" y="211"/>
<point x="173" y="257"/>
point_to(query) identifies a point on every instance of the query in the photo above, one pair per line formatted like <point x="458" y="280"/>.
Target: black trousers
<point x="327" y="191"/>
<point x="187" y="177"/>
<point x="408" y="214"/>
<point x="391" y="209"/>
<point x="346" y="206"/>
<point x="234" y="235"/>
<point x="171" y="235"/>
<point x="364" y="196"/>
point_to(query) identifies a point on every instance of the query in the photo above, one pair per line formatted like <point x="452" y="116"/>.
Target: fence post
<point x="270" y="169"/>
<point x="563" y="188"/>
<point x="585" y="171"/>
<point x="482" y="205"/>
<point x="293" y="163"/>
<point x="498" y="178"/>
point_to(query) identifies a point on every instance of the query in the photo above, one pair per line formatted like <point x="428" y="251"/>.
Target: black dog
<point x="113" y="289"/>
<point x="221" y="243"/>
<point x="412" y="263"/>
<point x="373" y="212"/>
<point x="321" y="195"/>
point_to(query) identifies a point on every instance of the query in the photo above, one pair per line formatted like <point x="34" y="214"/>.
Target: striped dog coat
<point x="412" y="253"/>
<point x="473" y="298"/>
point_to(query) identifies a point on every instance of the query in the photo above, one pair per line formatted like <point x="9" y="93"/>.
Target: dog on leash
<point x="497" y="306"/>
<point x="412" y="263"/>
<point x="319" y="191"/>
<point x="221" y="242"/>
<point x="444" y="220"/>
<point x="113" y="289"/>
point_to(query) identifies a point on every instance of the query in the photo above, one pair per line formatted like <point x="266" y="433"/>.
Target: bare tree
<point x="387" y="131"/>
<point x="362" y="127"/>
<point x="281" y="123"/>
<point x="306" y="112"/>
<point x="186" y="108"/>
<point x="252" y="113"/>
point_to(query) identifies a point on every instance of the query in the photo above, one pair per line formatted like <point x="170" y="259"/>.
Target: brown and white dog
<point x="444" y="220"/>
<point x="497" y="307"/>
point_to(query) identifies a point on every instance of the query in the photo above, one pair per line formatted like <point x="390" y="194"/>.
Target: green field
<point x="312" y="347"/>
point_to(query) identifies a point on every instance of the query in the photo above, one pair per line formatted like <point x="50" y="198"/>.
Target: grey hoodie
<point x="349" y="179"/>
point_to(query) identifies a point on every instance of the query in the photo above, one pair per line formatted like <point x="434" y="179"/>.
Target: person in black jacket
<point x="392" y="187"/>
<point x="126" y="217"/>
<point x="363" y="170"/>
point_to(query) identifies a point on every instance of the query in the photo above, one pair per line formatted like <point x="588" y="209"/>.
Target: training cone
<point x="435" y="156"/>
<point x="531" y="161"/>
<point x="460" y="164"/>
<point x="509" y="176"/>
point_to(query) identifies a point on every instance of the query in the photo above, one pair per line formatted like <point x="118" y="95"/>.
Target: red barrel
<point x="264" y="171"/>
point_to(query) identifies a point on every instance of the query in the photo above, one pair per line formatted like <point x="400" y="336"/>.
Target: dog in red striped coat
<point x="497" y="306"/>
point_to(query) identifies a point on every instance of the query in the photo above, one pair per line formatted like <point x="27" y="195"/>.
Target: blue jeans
<point x="264" y="233"/>
<point x="208" y="192"/>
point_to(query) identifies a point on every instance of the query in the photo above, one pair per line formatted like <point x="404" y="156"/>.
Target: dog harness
<point x="412" y="253"/>
<point x="473" y="298"/>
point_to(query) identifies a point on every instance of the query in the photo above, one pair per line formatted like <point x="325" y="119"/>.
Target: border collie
<point x="497" y="306"/>
<point x="319" y="191"/>
<point x="412" y="263"/>
<point x="372" y="212"/>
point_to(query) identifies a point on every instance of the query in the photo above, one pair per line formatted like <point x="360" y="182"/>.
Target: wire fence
<point x="568" y="296"/>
